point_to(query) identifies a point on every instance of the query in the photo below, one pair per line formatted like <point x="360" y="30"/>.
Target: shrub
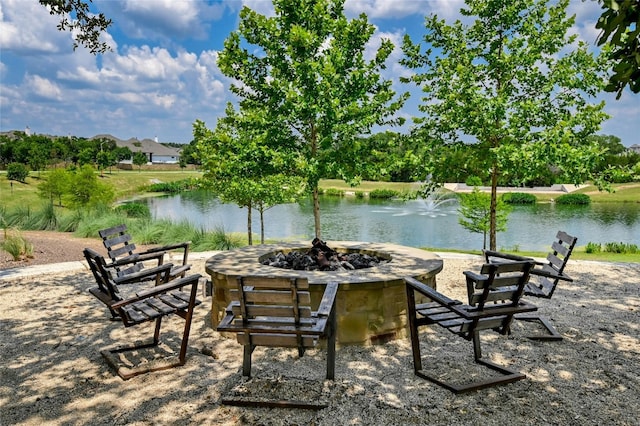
<point x="620" y="248"/>
<point x="17" y="246"/>
<point x="473" y="181"/>
<point x="334" y="192"/>
<point x="17" y="171"/>
<point x="519" y="198"/>
<point x="593" y="247"/>
<point x="134" y="210"/>
<point x="573" y="199"/>
<point x="359" y="194"/>
<point x="383" y="193"/>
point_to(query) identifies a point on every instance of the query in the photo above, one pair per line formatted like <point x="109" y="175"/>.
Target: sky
<point x="162" y="75"/>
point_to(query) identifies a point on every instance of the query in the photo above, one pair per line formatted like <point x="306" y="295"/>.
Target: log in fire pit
<point x="320" y="257"/>
<point x="371" y="304"/>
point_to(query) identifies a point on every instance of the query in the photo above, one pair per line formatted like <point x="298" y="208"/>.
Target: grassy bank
<point x="23" y="198"/>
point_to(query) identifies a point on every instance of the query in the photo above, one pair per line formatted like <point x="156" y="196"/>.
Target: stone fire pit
<point x="371" y="305"/>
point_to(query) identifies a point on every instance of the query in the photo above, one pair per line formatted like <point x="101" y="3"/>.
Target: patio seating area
<point x="52" y="371"/>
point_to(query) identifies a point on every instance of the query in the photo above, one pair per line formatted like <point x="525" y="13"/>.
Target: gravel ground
<point x="51" y="371"/>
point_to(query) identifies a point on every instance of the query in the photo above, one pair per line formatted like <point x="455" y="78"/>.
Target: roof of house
<point x="144" y="145"/>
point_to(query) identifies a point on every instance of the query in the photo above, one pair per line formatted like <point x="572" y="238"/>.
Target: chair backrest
<point x="278" y="297"/>
<point x="106" y="291"/>
<point x="118" y="243"/>
<point x="498" y="288"/>
<point x="267" y="304"/>
<point x="544" y="286"/>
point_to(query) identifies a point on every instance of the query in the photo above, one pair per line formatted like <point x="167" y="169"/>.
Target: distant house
<point x="635" y="148"/>
<point x="156" y="153"/>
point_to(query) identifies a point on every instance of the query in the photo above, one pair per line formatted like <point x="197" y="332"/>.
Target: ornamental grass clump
<point x="17" y="246"/>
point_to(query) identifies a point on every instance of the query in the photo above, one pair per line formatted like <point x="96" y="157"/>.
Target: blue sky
<point x="162" y="73"/>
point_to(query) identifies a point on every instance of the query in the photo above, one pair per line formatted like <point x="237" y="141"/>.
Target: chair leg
<point x="187" y="323"/>
<point x="553" y="333"/>
<point x="331" y="346"/>
<point x="246" y="360"/>
<point x="413" y="329"/>
<point x="506" y="375"/>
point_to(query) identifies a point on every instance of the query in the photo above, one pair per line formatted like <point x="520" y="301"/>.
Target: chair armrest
<point x="138" y="276"/>
<point x="328" y="299"/>
<point x="184" y="246"/>
<point x="550" y="274"/>
<point x="135" y="258"/>
<point x="157" y="290"/>
<point x="430" y="292"/>
<point x="500" y="255"/>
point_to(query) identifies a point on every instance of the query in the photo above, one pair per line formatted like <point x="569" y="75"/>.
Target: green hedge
<point x="383" y="193"/>
<point x="573" y="199"/>
<point x="519" y="198"/>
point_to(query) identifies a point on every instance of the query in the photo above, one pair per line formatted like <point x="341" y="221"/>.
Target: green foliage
<point x="17" y="246"/>
<point x="18" y="172"/>
<point x="87" y="191"/>
<point x="55" y="184"/>
<point x="383" y="193"/>
<point x="474" y="211"/>
<point x="519" y="198"/>
<point x="518" y="82"/>
<point x="139" y="210"/>
<point x="139" y="159"/>
<point x="77" y="18"/>
<point x="621" y="248"/>
<point x="334" y="192"/>
<point x="359" y="194"/>
<point x="573" y="199"/>
<point x="304" y="77"/>
<point x="620" y="30"/>
<point x="473" y="181"/>
<point x="593" y="247"/>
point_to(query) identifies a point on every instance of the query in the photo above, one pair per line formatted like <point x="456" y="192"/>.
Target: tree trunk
<point x="316" y="212"/>
<point x="261" y="224"/>
<point x="249" y="230"/>
<point x="493" y="208"/>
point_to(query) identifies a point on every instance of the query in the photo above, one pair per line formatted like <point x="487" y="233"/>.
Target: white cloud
<point x="43" y="87"/>
<point x="28" y="27"/>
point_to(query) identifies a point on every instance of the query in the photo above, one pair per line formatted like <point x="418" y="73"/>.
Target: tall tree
<point x="243" y="164"/>
<point x="305" y="67"/>
<point x="514" y="80"/>
<point x="620" y="30"/>
<point x="76" y="16"/>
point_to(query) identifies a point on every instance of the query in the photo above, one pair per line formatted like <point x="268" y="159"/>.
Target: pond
<point x="412" y="223"/>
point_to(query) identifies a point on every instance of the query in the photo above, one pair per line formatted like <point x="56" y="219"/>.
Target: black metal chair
<point x="121" y="251"/>
<point x="494" y="298"/>
<point x="145" y="303"/>
<point x="545" y="277"/>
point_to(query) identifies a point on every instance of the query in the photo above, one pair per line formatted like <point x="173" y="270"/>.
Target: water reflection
<point x="408" y="223"/>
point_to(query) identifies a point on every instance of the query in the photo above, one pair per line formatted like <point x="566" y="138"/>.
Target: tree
<point x="513" y="81"/>
<point x="139" y="159"/>
<point x="86" y="190"/>
<point x="76" y="17"/>
<point x="243" y="167"/>
<point x="474" y="213"/>
<point x="17" y="171"/>
<point x="620" y="30"/>
<point x="55" y="185"/>
<point x="305" y="68"/>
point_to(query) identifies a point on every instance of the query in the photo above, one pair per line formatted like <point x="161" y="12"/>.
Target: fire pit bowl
<point x="371" y="305"/>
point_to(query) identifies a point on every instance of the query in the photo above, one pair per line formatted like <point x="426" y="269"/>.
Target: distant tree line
<point x="385" y="156"/>
<point x="40" y="152"/>
<point x="394" y="157"/>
